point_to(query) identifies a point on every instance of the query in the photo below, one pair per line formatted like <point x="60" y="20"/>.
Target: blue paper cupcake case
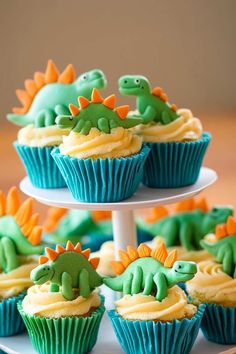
<point x="102" y="180"/>
<point x="11" y="322"/>
<point x="148" y="337"/>
<point x="219" y="324"/>
<point x="40" y="166"/>
<point x="175" y="164"/>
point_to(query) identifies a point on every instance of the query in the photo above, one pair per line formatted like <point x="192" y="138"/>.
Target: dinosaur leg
<point x="185" y="235"/>
<point x="66" y="286"/>
<point x="9" y="251"/>
<point x="2" y="257"/>
<point x="86" y="128"/>
<point x="112" y="124"/>
<point x="45" y="118"/>
<point x="234" y="275"/>
<point x="221" y="254"/>
<point x="227" y="264"/>
<point x="84" y="289"/>
<point x="128" y="284"/>
<point x="61" y="110"/>
<point x="103" y="125"/>
<point x="148" y="284"/>
<point x="54" y="288"/>
<point x="137" y="281"/>
<point x="170" y="231"/>
<point x="162" y="289"/>
<point x="149" y="114"/>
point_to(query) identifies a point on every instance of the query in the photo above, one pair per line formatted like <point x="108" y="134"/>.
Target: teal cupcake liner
<point x="219" y="324"/>
<point x="148" y="337"/>
<point x="64" y="335"/>
<point x="40" y="166"/>
<point x="102" y="180"/>
<point x="10" y="320"/>
<point x="175" y="164"/>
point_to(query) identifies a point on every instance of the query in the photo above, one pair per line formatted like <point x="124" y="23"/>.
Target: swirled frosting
<point x="41" y="137"/>
<point x="119" y="143"/>
<point x="106" y="255"/>
<point x="39" y="301"/>
<point x="212" y="285"/>
<point x="144" y="308"/>
<point x="184" y="128"/>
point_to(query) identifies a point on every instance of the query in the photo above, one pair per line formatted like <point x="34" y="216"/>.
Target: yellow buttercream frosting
<point x="212" y="285"/>
<point x="143" y="307"/>
<point x="106" y="255"/>
<point x="185" y="128"/>
<point x="119" y="143"/>
<point x="39" y="301"/>
<point x="41" y="137"/>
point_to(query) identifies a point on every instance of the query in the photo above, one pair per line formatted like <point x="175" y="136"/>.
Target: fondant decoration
<point x="50" y="93"/>
<point x="19" y="231"/>
<point x="69" y="269"/>
<point x="224" y="249"/>
<point x="98" y="113"/>
<point x="152" y="105"/>
<point x="146" y="270"/>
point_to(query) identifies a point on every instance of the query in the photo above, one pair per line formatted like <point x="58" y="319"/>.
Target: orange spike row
<point x="110" y="101"/>
<point x="35" y="235"/>
<point x="174" y="107"/>
<point x="96" y="96"/>
<point x="124" y="257"/>
<point x="157" y="91"/>
<point x="144" y="250"/>
<point x="94" y="262"/>
<point x="24" y="212"/>
<point x="170" y="259"/>
<point x="86" y="253"/>
<point x="160" y="253"/>
<point x="30" y="224"/>
<point x="99" y="215"/>
<point x="24" y="98"/>
<point x="31" y="87"/>
<point x="185" y="205"/>
<point x="118" y="267"/>
<point x="2" y="204"/>
<point x="60" y="249"/>
<point x="78" y="248"/>
<point x="12" y="201"/>
<point x="157" y="213"/>
<point x="164" y="97"/>
<point x="202" y="204"/>
<point x="69" y="246"/>
<point x="231" y="226"/>
<point x="51" y="254"/>
<point x="221" y="231"/>
<point x="39" y="79"/>
<point x="43" y="259"/>
<point x="122" y="111"/>
<point x="74" y="110"/>
<point x="54" y="215"/>
<point x="68" y="75"/>
<point x="83" y="102"/>
<point x="18" y="110"/>
<point x="52" y="73"/>
<point x="132" y="252"/>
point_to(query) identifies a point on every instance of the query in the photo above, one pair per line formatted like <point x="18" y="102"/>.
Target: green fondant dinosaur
<point x="98" y="113"/>
<point x="187" y="228"/>
<point x="49" y="95"/>
<point x="155" y="271"/>
<point x="152" y="105"/>
<point x="69" y="269"/>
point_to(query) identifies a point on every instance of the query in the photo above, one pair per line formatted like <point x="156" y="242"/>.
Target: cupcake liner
<point x="64" y="335"/>
<point x="102" y="180"/>
<point x="10" y="320"/>
<point x="148" y="337"/>
<point x="40" y="166"/>
<point x="174" y="164"/>
<point x="219" y="324"/>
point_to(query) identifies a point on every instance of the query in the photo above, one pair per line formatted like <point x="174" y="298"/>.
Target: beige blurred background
<point x="187" y="47"/>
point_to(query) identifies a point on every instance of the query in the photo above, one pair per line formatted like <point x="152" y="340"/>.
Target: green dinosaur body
<point x="53" y="99"/>
<point x="146" y="275"/>
<point x="224" y="251"/>
<point x="152" y="107"/>
<point x="188" y="228"/>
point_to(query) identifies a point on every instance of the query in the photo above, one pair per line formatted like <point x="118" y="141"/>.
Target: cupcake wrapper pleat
<point x="148" y="337"/>
<point x="10" y="320"/>
<point x="40" y="166"/>
<point x="64" y="335"/>
<point x="219" y="324"/>
<point x="174" y="164"/>
<point x="102" y="180"/>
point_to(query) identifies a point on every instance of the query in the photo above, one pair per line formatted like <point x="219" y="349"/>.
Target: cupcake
<point x="19" y="245"/>
<point x="63" y="310"/>
<point x="101" y="160"/>
<point x="154" y="314"/>
<point x="176" y="138"/>
<point x="46" y="96"/>
<point x="215" y="285"/>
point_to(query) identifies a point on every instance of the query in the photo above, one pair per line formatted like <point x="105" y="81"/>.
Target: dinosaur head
<point x="90" y="79"/>
<point x="183" y="270"/>
<point x="42" y="274"/>
<point x="133" y="85"/>
<point x="217" y="215"/>
<point x="66" y="121"/>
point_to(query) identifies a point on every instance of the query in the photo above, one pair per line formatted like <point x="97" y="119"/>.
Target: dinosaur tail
<point x="19" y="119"/>
<point x="210" y="247"/>
<point x="115" y="283"/>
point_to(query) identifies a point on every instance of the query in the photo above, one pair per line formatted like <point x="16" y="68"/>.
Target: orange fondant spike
<point x="68" y="75"/>
<point x="54" y="215"/>
<point x="29" y="225"/>
<point x="78" y="248"/>
<point x="51" y="74"/>
<point x="221" y="231"/>
<point x="231" y="226"/>
<point x="99" y="215"/>
<point x="18" y="110"/>
<point x="122" y="111"/>
<point x="12" y="202"/>
<point x="83" y="102"/>
<point x="124" y="257"/>
<point x="132" y="252"/>
<point x="158" y="213"/>
<point x="60" y="249"/>
<point x="24" y="212"/>
<point x="164" y="97"/>
<point x="43" y="259"/>
<point x="185" y="205"/>
<point x="170" y="259"/>
<point x="94" y="262"/>
<point x="202" y="204"/>
<point x="86" y="253"/>
<point x="117" y="267"/>
<point x="110" y="101"/>
<point x="160" y="253"/>
<point x="52" y="255"/>
<point x="174" y="107"/>
<point x="2" y="204"/>
<point x="24" y="98"/>
<point x="74" y="110"/>
<point x="157" y="91"/>
<point x="96" y="96"/>
<point x="144" y="250"/>
<point x="69" y="246"/>
<point x="31" y="87"/>
<point x="35" y="235"/>
<point x="39" y="79"/>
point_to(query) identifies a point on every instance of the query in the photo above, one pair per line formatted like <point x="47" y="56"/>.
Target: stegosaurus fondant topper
<point x="69" y="269"/>
<point x="152" y="105"/>
<point x="224" y="249"/>
<point x="50" y="93"/>
<point x="19" y="233"/>
<point x="98" y="113"/>
<point x="144" y="270"/>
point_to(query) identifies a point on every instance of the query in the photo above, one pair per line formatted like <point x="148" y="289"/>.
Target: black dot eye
<point x="70" y="118"/>
<point x="84" y="77"/>
<point x="125" y="82"/>
<point x="180" y="267"/>
<point x="137" y="81"/>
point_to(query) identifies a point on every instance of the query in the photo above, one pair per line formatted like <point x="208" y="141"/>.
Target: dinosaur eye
<point x="84" y="77"/>
<point x="137" y="81"/>
<point x="179" y="266"/>
<point x="70" y="118"/>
